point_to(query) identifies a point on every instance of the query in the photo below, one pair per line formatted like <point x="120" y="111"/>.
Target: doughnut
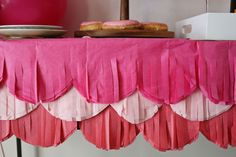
<point x="91" y="25"/>
<point x="121" y="25"/>
<point x="155" y="26"/>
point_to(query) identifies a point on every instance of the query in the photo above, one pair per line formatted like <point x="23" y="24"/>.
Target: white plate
<point x="30" y="27"/>
<point x="31" y="33"/>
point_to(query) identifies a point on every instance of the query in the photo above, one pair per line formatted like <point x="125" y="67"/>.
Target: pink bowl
<point x="32" y="12"/>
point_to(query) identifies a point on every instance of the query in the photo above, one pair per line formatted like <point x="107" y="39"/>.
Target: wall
<point x="168" y="11"/>
<point x="77" y="146"/>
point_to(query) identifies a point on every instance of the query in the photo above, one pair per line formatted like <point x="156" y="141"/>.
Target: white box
<point x="208" y="26"/>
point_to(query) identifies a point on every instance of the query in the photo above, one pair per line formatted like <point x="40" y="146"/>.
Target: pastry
<point x="91" y="25"/>
<point x="155" y="26"/>
<point x="121" y="25"/>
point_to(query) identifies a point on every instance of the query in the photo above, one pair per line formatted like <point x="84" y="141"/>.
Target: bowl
<point x="32" y="12"/>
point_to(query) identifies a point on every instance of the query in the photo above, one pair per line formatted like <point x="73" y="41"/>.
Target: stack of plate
<point x="31" y="31"/>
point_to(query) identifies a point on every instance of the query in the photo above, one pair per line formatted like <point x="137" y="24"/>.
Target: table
<point x="116" y="89"/>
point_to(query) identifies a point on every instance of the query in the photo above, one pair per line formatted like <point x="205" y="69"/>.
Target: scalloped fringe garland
<point x="165" y="131"/>
<point x="135" y="109"/>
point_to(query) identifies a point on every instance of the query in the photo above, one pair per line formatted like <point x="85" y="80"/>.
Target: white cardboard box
<point x="208" y="26"/>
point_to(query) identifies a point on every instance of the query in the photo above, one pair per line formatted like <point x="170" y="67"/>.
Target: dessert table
<point x="169" y="90"/>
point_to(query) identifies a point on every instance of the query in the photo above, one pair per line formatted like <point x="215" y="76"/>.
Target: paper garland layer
<point x="104" y="126"/>
<point x="106" y="71"/>
<point x="134" y="109"/>
<point x="165" y="131"/>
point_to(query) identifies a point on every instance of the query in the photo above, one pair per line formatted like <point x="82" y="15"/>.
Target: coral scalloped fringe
<point x="165" y="131"/>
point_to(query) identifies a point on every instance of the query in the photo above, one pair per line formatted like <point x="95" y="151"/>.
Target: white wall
<point x="78" y="146"/>
<point x="9" y="147"/>
<point x="168" y="11"/>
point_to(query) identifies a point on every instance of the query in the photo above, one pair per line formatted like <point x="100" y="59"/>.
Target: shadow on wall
<point x="89" y="10"/>
<point x="77" y="11"/>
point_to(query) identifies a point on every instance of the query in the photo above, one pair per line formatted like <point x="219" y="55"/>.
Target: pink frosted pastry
<point x="155" y="26"/>
<point x="121" y="25"/>
<point x="91" y="25"/>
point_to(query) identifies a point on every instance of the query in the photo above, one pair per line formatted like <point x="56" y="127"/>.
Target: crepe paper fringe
<point x="197" y="107"/>
<point x="109" y="131"/>
<point x="5" y="130"/>
<point x="216" y="68"/>
<point x="73" y="107"/>
<point x="168" y="131"/>
<point x="109" y="70"/>
<point x="165" y="131"/>
<point x="12" y="108"/>
<point x="135" y="109"/>
<point x="41" y="129"/>
<point x="221" y="130"/>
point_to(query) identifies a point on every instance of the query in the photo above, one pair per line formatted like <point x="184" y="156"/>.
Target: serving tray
<point x="125" y="34"/>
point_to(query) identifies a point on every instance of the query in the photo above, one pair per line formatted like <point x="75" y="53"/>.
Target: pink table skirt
<point x="167" y="89"/>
